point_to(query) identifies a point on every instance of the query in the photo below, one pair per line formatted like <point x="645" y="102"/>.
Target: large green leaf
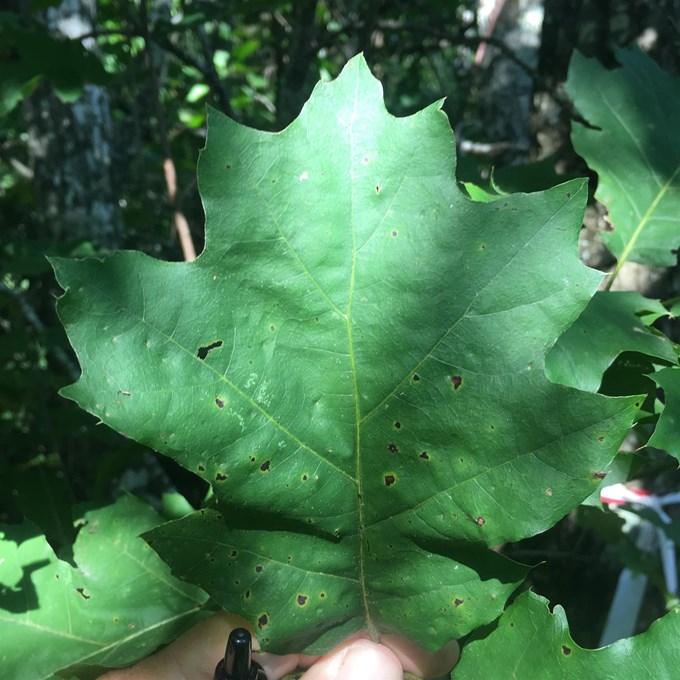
<point x="532" y="642"/>
<point x="633" y="150"/>
<point x="118" y="605"/>
<point x="355" y="362"/>
<point x="609" y="325"/>
<point x="667" y="433"/>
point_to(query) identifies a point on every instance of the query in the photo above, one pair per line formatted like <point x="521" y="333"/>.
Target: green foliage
<point x="667" y="433"/>
<point x="119" y="603"/>
<point x="529" y="637"/>
<point x="637" y="157"/>
<point x="357" y="358"/>
<point x="609" y="325"/>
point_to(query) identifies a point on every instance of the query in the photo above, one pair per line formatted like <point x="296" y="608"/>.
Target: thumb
<point x="357" y="660"/>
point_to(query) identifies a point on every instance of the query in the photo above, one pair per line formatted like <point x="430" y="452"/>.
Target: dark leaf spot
<point x="393" y="448"/>
<point x="202" y="352"/>
<point x="566" y="650"/>
<point x="456" y="381"/>
<point x="272" y="328"/>
<point x="125" y="393"/>
<point x="424" y="455"/>
<point x="416" y="377"/>
<point x="200" y="467"/>
<point x="252" y="459"/>
<point x="480" y="521"/>
<point x="263" y="620"/>
<point x="233" y="553"/>
<point x="220" y="477"/>
<point x="219" y="402"/>
<point x="568" y="194"/>
<point x="246" y="595"/>
<point x="600" y="438"/>
<point x="389" y="480"/>
<point x="228" y="166"/>
<point x="397" y="425"/>
<point x="258" y="568"/>
<point x="83" y="593"/>
<point x="599" y="475"/>
<point x="322" y="595"/>
<point x="377" y="189"/>
<point x="394" y="233"/>
<point x="457" y="602"/>
<point x="302" y="600"/>
<point x="265" y="466"/>
<point x="305" y="478"/>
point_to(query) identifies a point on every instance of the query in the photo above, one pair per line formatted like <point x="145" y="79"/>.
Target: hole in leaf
<point x="395" y="233"/>
<point x="262" y="620"/>
<point x="265" y="466"/>
<point x="456" y="381"/>
<point x="200" y="467"/>
<point x="389" y="480"/>
<point x="233" y="553"/>
<point x="424" y="455"/>
<point x="305" y="478"/>
<point x="416" y="377"/>
<point x="258" y="568"/>
<point x="203" y="352"/>
<point x="220" y="477"/>
<point x="397" y="425"/>
<point x="378" y="188"/>
<point x="566" y="650"/>
<point x="480" y="521"/>
<point x="393" y="448"/>
<point x="219" y="402"/>
<point x="599" y="475"/>
<point x="83" y="593"/>
<point x="252" y="459"/>
<point x="457" y="602"/>
<point x="600" y="438"/>
<point x="322" y="595"/>
<point x="246" y="595"/>
<point x="302" y="600"/>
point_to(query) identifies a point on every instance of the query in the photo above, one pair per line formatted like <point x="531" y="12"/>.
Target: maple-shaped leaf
<point x="355" y="363"/>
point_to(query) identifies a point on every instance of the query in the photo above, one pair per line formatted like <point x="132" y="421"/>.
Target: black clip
<point x="238" y="663"/>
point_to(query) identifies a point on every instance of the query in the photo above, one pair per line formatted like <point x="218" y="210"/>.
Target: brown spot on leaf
<point x="457" y="602"/>
<point x="302" y="600"/>
<point x="397" y="425"/>
<point x="265" y="466"/>
<point x="258" y="568"/>
<point x="424" y="455"/>
<point x="219" y="402"/>
<point x="416" y="377"/>
<point x="480" y="521"/>
<point x="566" y="650"/>
<point x="389" y="480"/>
<point x="262" y="620"/>
<point x="599" y="475"/>
<point x="456" y="381"/>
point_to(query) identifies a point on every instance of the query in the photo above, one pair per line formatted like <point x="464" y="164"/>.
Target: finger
<point x="419" y="661"/>
<point x="359" y="659"/>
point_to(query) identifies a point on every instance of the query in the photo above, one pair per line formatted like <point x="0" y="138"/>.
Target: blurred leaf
<point x="667" y="433"/>
<point x="198" y="91"/>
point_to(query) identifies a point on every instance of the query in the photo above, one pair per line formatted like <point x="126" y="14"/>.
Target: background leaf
<point x="609" y="325"/>
<point x="355" y="362"/>
<point x="529" y="637"/>
<point x="118" y="605"/>
<point x="636" y="157"/>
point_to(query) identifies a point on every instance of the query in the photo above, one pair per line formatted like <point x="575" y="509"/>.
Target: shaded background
<point x="102" y="115"/>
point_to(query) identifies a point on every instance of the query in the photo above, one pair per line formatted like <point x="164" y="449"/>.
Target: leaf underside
<point x="633" y="150"/>
<point x="355" y="363"/>
<point x="117" y="606"/>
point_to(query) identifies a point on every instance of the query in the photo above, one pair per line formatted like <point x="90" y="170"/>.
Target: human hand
<point x="194" y="655"/>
